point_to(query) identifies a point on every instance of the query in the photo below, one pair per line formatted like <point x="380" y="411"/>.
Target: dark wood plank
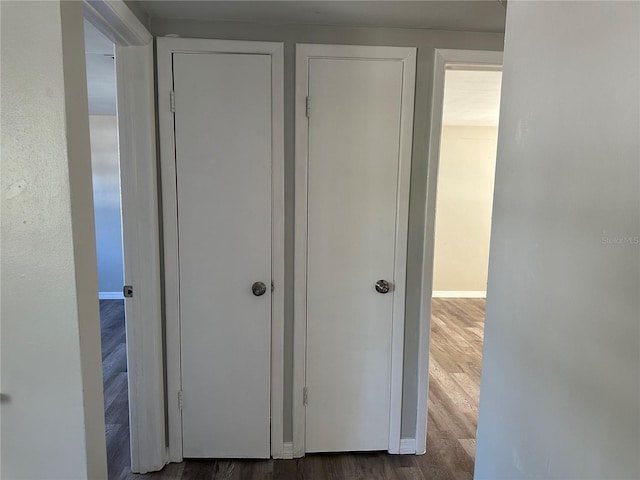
<point x="114" y="377"/>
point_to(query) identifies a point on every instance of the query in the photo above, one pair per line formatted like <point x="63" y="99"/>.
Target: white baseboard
<point x="110" y="296"/>
<point x="407" y="446"/>
<point x="287" y="450"/>
<point x="459" y="294"/>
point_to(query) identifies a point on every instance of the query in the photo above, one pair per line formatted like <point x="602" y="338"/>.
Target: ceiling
<point x="101" y="72"/>
<point x="474" y="15"/>
<point x="471" y="97"/>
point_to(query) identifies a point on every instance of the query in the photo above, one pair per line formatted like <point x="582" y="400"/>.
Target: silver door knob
<point x="382" y="286"/>
<point x="258" y="289"/>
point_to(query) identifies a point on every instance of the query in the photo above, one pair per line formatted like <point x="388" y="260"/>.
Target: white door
<point x="223" y="168"/>
<point x="354" y="150"/>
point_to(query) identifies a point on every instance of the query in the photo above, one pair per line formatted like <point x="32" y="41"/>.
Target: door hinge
<point x="127" y="291"/>
<point x="308" y="107"/>
<point x="172" y="101"/>
<point x="305" y="396"/>
<point x="180" y="400"/>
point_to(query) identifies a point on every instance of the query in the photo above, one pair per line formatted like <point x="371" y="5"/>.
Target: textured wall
<point x="560" y="392"/>
<point x="52" y="405"/>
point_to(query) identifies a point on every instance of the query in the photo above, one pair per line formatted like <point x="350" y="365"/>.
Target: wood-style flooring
<point x="454" y="384"/>
<point x="114" y="377"/>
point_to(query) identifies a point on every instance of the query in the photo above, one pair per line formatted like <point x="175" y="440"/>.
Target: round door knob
<point x="258" y="289"/>
<point x="382" y="286"/>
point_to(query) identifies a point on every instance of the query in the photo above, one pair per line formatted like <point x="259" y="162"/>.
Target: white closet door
<point x="223" y="167"/>
<point x="353" y="165"/>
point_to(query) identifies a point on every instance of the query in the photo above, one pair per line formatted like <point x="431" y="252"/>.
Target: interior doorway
<point x="463" y="207"/>
<point x="107" y="200"/>
<point x="136" y="140"/>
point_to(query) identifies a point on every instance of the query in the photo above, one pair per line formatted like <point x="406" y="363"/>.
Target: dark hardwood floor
<point x="114" y="377"/>
<point x="454" y="385"/>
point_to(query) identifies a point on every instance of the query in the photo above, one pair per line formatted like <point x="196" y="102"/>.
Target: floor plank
<point x="454" y="385"/>
<point x="455" y="362"/>
<point x="114" y="377"/>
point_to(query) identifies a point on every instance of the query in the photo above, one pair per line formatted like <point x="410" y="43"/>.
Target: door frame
<point x="406" y="55"/>
<point x="140" y="227"/>
<point x="443" y="58"/>
<point x="166" y="47"/>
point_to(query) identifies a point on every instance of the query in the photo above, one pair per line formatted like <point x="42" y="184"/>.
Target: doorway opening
<point x="105" y="166"/>
<point x="464" y="198"/>
<point x="126" y="78"/>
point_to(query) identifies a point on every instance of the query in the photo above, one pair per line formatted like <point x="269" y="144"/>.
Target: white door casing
<point x="443" y="57"/>
<point x="140" y="227"/>
<point x="223" y="202"/>
<point x="353" y="155"/>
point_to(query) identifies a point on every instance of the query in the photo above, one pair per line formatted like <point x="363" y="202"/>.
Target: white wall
<point x="52" y="404"/>
<point x="560" y="393"/>
<point x="463" y="208"/>
<point x="106" y="201"/>
<point x="105" y="161"/>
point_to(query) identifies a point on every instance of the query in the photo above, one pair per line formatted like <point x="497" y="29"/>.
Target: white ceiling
<point x="474" y="15"/>
<point x="101" y="72"/>
<point x="471" y="97"/>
